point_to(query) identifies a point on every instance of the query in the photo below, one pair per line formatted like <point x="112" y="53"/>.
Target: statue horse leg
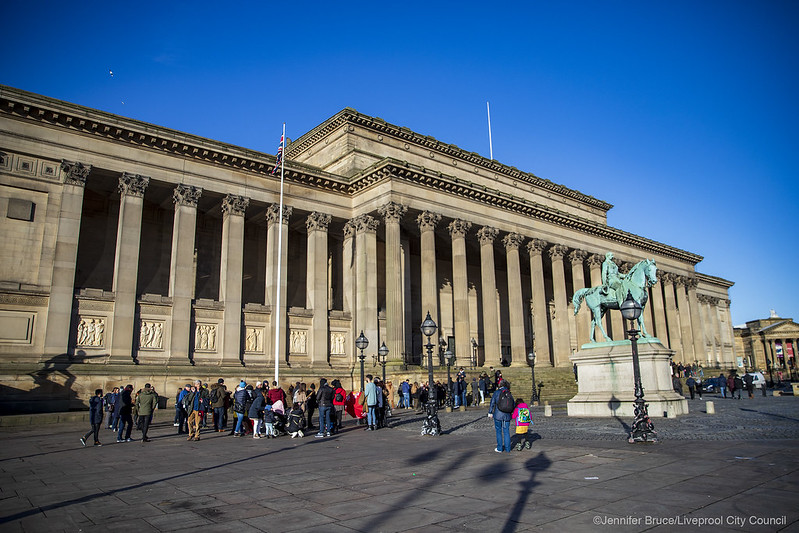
<point x="596" y="313"/>
<point x="642" y="327"/>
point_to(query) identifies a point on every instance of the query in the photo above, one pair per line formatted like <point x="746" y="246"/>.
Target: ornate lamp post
<point x="361" y="343"/>
<point x="442" y="346"/>
<point x="381" y="358"/>
<point x="474" y="353"/>
<point x="531" y="362"/>
<point x="642" y="429"/>
<point x="431" y="425"/>
<point x="448" y="355"/>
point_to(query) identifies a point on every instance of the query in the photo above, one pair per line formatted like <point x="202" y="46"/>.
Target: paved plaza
<point x="736" y="470"/>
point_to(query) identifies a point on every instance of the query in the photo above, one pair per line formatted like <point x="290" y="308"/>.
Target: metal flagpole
<point x="490" y="144"/>
<point x="276" y="307"/>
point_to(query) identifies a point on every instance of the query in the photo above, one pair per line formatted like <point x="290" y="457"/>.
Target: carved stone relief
<point x="91" y="332"/>
<point x="151" y="335"/>
<point x="298" y="341"/>
<point x="254" y="342"/>
<point x="337" y="343"/>
<point x="205" y="337"/>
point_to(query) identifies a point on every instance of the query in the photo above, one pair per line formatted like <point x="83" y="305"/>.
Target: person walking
<point x="500" y="409"/>
<point x="691" y="384"/>
<point x="739" y="384"/>
<point x="749" y="383"/>
<point x="146" y="402"/>
<point x="722" y="382"/>
<point x="125" y="414"/>
<point x="482" y="386"/>
<point x="95" y="417"/>
<point x="110" y="400"/>
<point x="521" y="415"/>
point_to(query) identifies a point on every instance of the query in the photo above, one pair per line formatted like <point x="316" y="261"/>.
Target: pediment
<point x="787" y="328"/>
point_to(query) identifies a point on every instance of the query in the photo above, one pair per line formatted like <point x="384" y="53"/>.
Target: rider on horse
<point x="611" y="279"/>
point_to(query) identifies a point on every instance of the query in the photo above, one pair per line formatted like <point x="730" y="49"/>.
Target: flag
<point x="279" y="159"/>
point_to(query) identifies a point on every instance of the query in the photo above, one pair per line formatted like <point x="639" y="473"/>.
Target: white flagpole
<point x="490" y="145"/>
<point x="276" y="311"/>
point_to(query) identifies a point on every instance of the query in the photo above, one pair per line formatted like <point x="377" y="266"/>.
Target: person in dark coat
<point x="256" y="412"/>
<point x="95" y="417"/>
<point x="125" y="402"/>
<point x="691" y="383"/>
<point x="146" y="402"/>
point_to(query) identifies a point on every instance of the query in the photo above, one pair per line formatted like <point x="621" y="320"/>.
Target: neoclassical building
<point x="131" y="246"/>
<point x="768" y="344"/>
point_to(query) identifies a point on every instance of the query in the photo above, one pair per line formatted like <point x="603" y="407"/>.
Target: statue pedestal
<point x="606" y="384"/>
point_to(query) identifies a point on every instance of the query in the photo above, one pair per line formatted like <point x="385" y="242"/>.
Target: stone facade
<point x="769" y="344"/>
<point x="132" y="245"/>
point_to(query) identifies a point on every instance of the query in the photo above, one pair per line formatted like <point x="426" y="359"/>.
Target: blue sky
<point x="681" y="114"/>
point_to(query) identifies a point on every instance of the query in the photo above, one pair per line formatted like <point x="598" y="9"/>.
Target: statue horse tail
<point x="578" y="298"/>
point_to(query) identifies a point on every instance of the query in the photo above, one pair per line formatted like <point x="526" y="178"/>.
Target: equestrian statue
<point x="614" y="290"/>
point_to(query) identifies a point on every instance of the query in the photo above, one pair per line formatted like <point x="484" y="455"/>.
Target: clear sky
<point x="683" y="114"/>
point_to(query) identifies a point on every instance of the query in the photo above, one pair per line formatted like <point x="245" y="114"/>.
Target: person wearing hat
<point x="183" y="417"/>
<point x="216" y="395"/>
<point x="195" y="402"/>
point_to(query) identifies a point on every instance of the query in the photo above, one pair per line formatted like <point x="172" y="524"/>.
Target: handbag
<point x="362" y="399"/>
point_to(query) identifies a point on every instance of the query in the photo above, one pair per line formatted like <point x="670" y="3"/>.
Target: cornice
<point x="402" y="170"/>
<point x="349" y="116"/>
<point x="713" y="280"/>
<point x="21" y="105"/>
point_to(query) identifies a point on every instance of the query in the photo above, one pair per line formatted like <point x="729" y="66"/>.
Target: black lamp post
<point x="431" y="425"/>
<point x="381" y="358"/>
<point x="531" y="362"/>
<point x="642" y="429"/>
<point x="442" y="346"/>
<point x="361" y="343"/>
<point x="474" y="353"/>
<point x="448" y="355"/>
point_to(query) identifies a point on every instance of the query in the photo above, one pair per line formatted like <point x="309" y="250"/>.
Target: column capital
<point x="186" y="195"/>
<point x="577" y="256"/>
<point x="703" y="298"/>
<point x="487" y="234"/>
<point x="273" y="214"/>
<point x="75" y="173"/>
<point x="392" y="211"/>
<point x="625" y="267"/>
<point x="536" y="246"/>
<point x="668" y="277"/>
<point x="512" y="241"/>
<point x="683" y="281"/>
<point x="317" y="221"/>
<point x="133" y="184"/>
<point x="235" y="205"/>
<point x="428" y="220"/>
<point x="459" y="228"/>
<point x="349" y="229"/>
<point x="557" y="251"/>
<point x="595" y="260"/>
<point x="691" y="283"/>
<point x="366" y="224"/>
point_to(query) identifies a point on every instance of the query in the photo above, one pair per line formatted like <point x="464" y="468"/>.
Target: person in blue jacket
<point x="501" y="418"/>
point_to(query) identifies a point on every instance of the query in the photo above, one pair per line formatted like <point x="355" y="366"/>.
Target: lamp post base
<point x="431" y="424"/>
<point x="642" y="429"/>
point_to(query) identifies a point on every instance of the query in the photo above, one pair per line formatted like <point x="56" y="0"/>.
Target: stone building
<point x="768" y="344"/>
<point x="134" y="250"/>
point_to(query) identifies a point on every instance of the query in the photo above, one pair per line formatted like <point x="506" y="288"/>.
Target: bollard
<point x="547" y="410"/>
<point x="710" y="408"/>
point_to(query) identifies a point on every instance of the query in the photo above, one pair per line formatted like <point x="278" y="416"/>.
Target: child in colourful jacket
<point x="521" y="415"/>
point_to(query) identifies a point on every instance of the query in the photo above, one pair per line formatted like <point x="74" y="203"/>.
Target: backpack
<point x="505" y="402"/>
<point x="214" y="395"/>
<point x="339" y="397"/>
<point x="524" y="415"/>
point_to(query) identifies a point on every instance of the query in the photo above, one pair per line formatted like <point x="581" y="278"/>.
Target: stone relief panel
<point x="205" y="338"/>
<point x="337" y="345"/>
<point x="254" y="340"/>
<point x="298" y="341"/>
<point x="151" y="335"/>
<point x="91" y="332"/>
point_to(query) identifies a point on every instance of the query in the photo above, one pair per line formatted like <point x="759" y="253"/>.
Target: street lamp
<point x="448" y="355"/>
<point x="642" y="429"/>
<point x="531" y="362"/>
<point x="380" y="358"/>
<point x="474" y="353"/>
<point x="442" y="346"/>
<point x="431" y="425"/>
<point x="361" y="342"/>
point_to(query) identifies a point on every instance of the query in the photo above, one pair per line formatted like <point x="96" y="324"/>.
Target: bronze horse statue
<point x="636" y="282"/>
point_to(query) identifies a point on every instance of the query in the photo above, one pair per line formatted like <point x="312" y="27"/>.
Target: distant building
<point x="133" y="251"/>
<point x="768" y="343"/>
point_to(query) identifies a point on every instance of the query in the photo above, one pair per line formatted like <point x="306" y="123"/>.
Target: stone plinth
<point x="606" y="384"/>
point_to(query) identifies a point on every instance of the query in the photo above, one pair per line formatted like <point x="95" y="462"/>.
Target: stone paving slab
<point x="398" y="480"/>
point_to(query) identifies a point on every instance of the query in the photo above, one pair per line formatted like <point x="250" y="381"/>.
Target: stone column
<point x="316" y="286"/>
<point x="518" y="347"/>
<point x="617" y="325"/>
<point x="392" y="214"/>
<point x="277" y="222"/>
<point x="349" y="285"/>
<point x="181" y="270"/>
<point x="713" y="308"/>
<point x="672" y="317"/>
<point x="540" y="315"/>
<point x="62" y="286"/>
<point x="707" y="336"/>
<point x="728" y="337"/>
<point x="460" y="287"/>
<point x="366" y="267"/>
<point x="686" y="333"/>
<point x="427" y="222"/>
<point x="659" y="311"/>
<point x="595" y="272"/>
<point x="126" y="264"/>
<point x="696" y="320"/>
<point x="492" y="350"/>
<point x="582" y="319"/>
<point x="231" y="275"/>
<point x="560" y="322"/>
